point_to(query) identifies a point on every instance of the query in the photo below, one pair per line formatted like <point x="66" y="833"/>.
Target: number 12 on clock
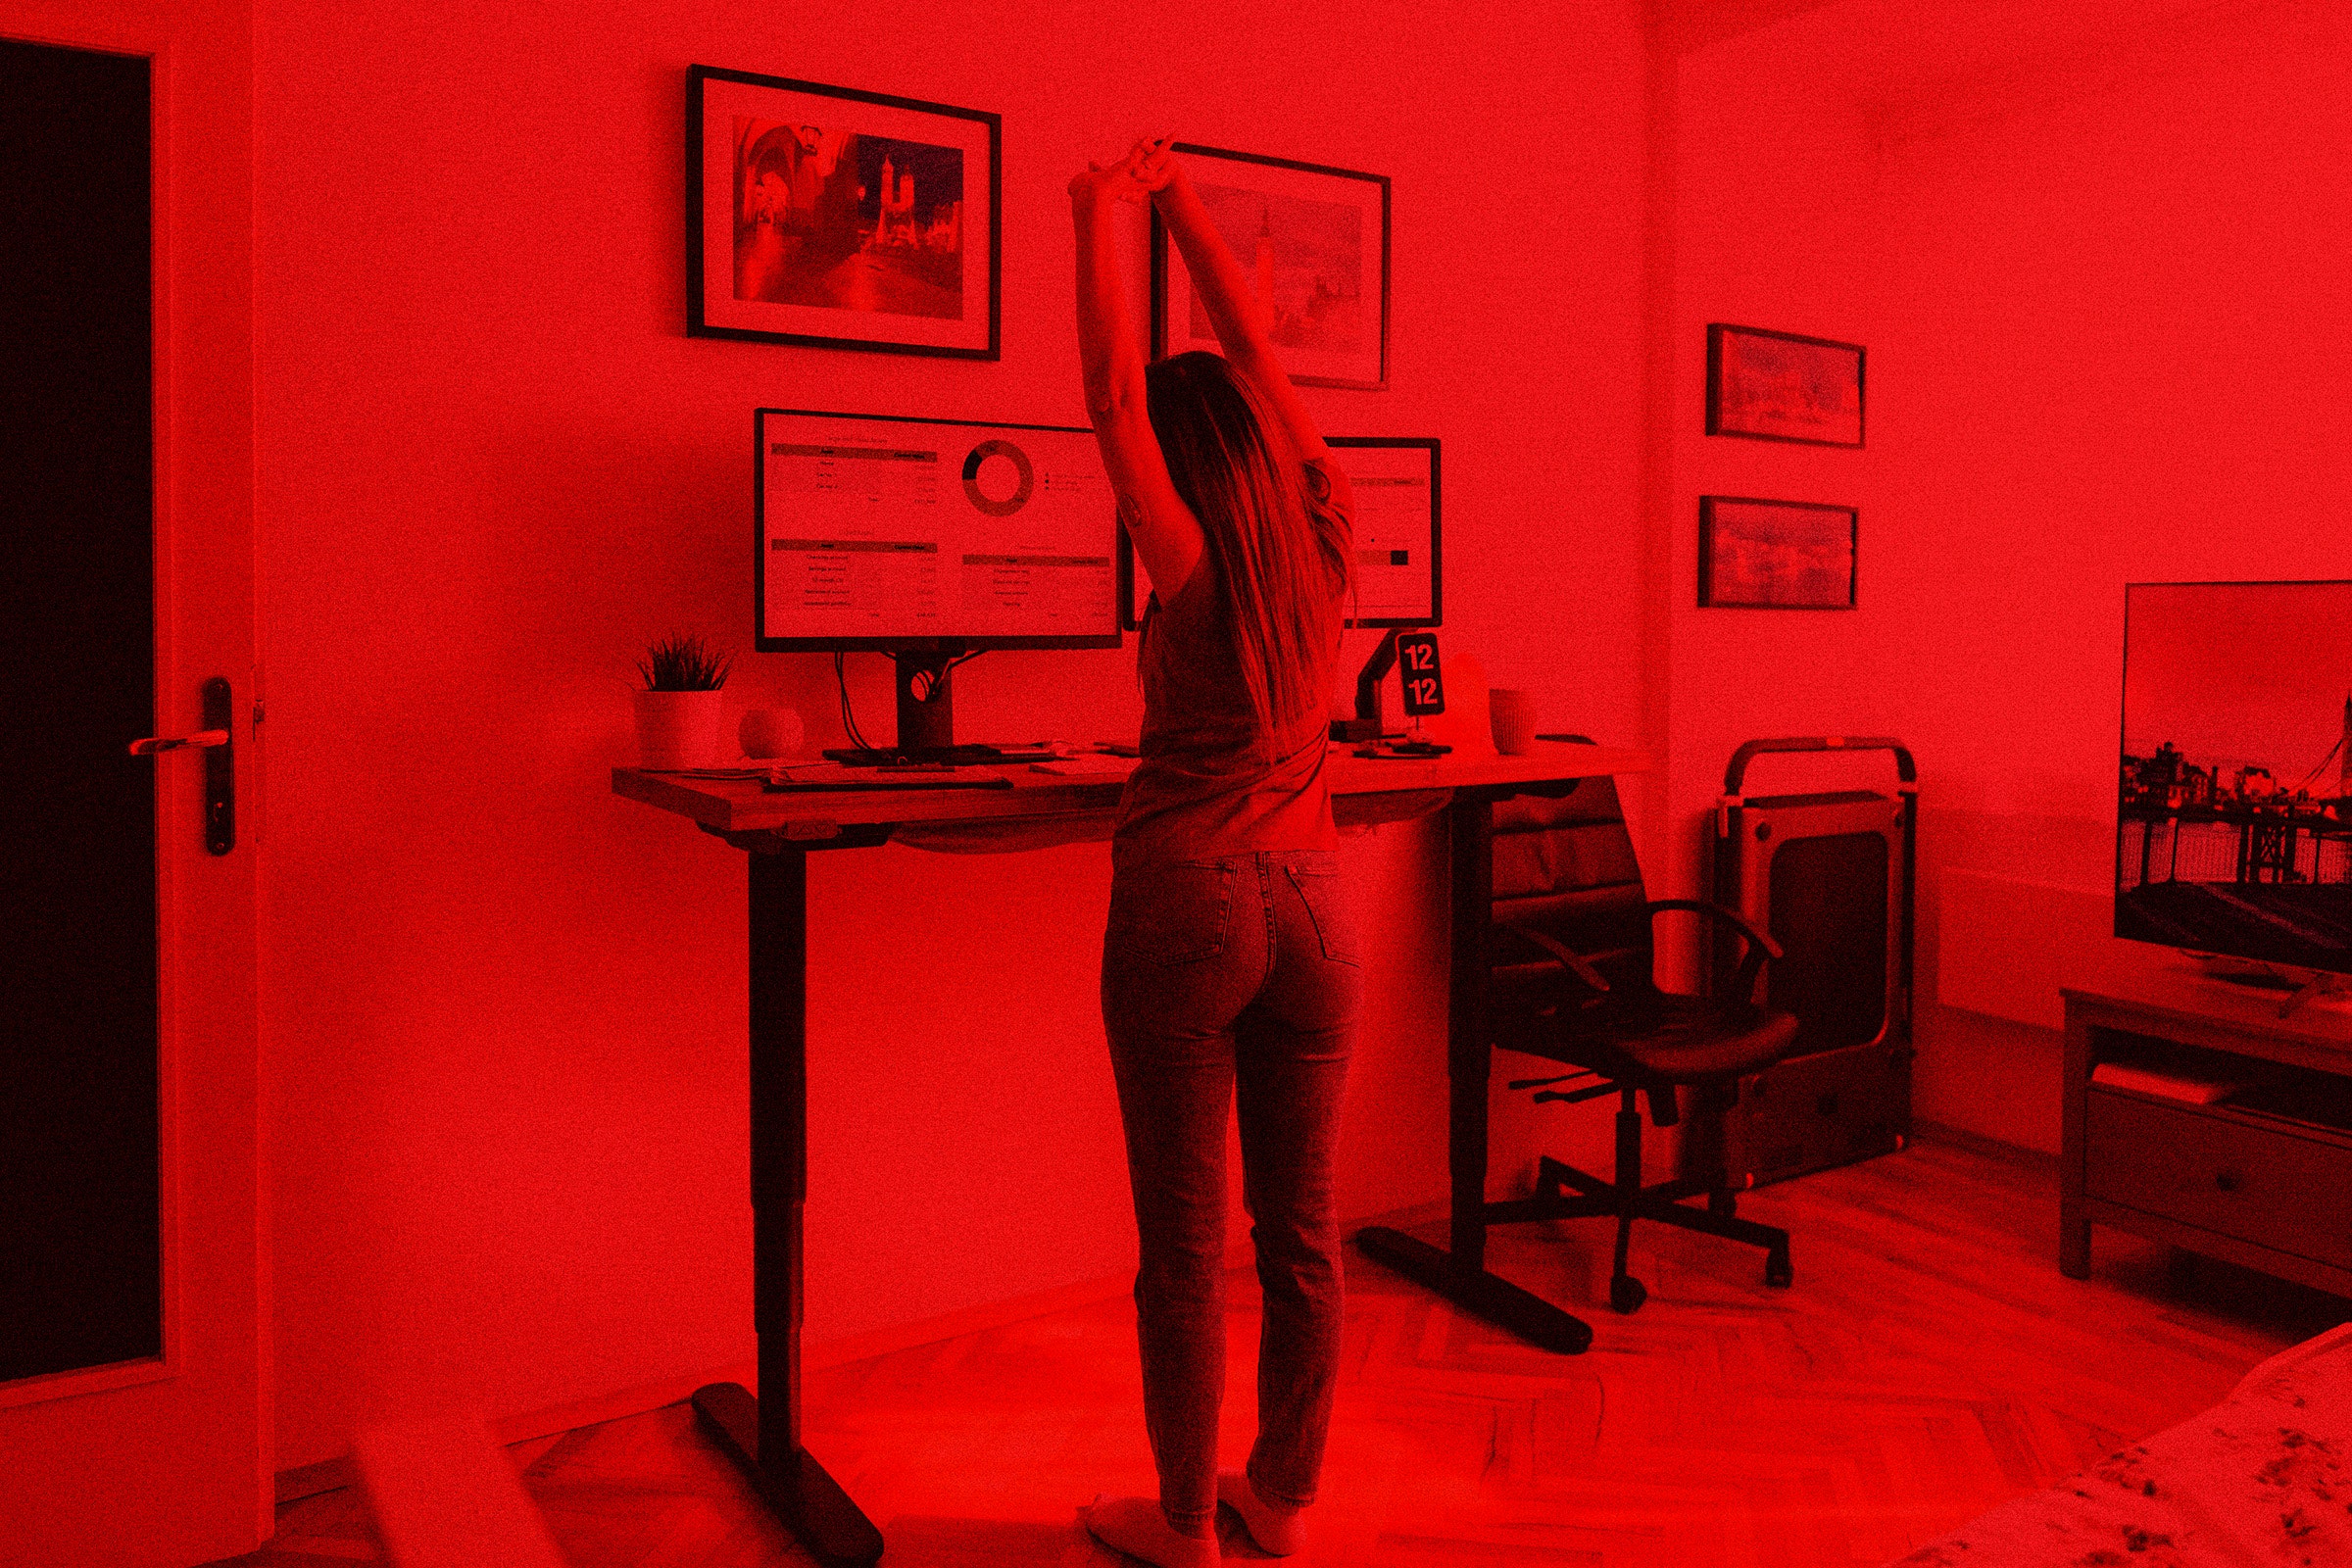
<point x="1418" y="671"/>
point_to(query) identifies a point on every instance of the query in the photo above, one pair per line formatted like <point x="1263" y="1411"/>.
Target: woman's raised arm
<point x="1165" y="533"/>
<point x="1234" y="311"/>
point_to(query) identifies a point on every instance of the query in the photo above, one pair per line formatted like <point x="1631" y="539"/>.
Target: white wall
<point x="507" y="1019"/>
<point x="2110" y="276"/>
<point x="2092" y="256"/>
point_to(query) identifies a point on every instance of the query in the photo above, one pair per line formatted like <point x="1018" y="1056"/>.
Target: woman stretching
<point x="1231" y="955"/>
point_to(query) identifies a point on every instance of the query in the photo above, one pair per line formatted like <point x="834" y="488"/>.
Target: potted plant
<point x="679" y="709"/>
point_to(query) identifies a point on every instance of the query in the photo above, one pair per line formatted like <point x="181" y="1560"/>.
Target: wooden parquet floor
<point x="1929" y="1362"/>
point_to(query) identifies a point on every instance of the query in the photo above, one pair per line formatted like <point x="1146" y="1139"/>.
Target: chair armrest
<point x="1576" y="965"/>
<point x="1722" y="915"/>
<point x="1743" y="983"/>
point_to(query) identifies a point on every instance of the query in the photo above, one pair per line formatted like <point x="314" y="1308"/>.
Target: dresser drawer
<point x="2220" y="1173"/>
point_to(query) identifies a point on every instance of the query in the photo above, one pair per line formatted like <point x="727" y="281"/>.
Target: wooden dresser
<point x="2264" y="1182"/>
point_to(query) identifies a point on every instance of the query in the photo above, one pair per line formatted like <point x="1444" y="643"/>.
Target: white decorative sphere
<point x="771" y="732"/>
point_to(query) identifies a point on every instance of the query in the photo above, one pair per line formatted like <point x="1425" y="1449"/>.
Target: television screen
<point x="2233" y="822"/>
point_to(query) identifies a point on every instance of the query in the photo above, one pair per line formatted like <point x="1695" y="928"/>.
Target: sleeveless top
<point x="1205" y="787"/>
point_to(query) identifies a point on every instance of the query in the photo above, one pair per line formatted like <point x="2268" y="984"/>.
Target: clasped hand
<point x="1146" y="170"/>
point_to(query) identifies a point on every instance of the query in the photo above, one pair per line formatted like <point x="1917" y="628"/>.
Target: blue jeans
<point x="1240" y="971"/>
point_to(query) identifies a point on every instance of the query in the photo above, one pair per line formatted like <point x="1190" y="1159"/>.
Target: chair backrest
<point x="1565" y="868"/>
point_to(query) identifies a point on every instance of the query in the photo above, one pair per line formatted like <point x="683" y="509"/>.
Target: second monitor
<point x="1397" y="581"/>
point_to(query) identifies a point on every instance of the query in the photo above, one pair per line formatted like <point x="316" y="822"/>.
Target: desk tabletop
<point x="1363" y="784"/>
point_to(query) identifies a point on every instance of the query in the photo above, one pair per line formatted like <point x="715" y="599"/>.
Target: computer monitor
<point x="929" y="539"/>
<point x="1399" y="582"/>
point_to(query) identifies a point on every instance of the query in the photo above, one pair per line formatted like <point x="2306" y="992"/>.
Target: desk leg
<point x="1460" y="1275"/>
<point x="763" y="1435"/>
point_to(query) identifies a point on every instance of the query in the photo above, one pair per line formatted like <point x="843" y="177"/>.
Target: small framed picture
<point x="1776" y="386"/>
<point x="1313" y="241"/>
<point x="838" y="218"/>
<point x="1776" y="554"/>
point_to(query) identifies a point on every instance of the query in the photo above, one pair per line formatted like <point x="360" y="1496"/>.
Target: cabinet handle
<point x="2229" y="1181"/>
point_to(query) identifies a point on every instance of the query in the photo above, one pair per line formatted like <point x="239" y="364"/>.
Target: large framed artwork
<point x="1777" y="386"/>
<point x="1314" y="244"/>
<point x="1776" y="554"/>
<point x="839" y="218"/>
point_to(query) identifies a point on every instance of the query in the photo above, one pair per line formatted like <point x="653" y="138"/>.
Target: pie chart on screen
<point x="998" y="478"/>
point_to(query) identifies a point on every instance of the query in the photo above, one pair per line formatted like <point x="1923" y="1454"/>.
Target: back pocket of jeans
<point x="1173" y="915"/>
<point x="1318" y="885"/>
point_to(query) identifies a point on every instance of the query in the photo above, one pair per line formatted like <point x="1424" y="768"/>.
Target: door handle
<point x="153" y="744"/>
<point x="219" y="765"/>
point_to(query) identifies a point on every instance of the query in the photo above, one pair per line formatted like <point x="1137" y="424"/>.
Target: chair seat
<point x="1666" y="1039"/>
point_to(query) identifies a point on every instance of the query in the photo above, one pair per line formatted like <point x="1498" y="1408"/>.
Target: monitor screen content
<point x="1397" y="582"/>
<point x="881" y="532"/>
<point x="2234" y="802"/>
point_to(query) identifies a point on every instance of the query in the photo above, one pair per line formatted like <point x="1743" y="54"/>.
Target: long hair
<point x="1278" y="557"/>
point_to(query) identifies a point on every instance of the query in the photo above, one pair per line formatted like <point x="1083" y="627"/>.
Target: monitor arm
<point x="1369" y="723"/>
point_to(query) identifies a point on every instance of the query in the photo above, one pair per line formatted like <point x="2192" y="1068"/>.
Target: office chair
<point x="1570" y="951"/>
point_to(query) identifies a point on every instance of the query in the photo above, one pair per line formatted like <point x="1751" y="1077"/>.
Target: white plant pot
<point x="678" y="729"/>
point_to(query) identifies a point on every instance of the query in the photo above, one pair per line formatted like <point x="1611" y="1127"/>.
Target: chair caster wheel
<point x="1777" y="1270"/>
<point x="1724" y="1204"/>
<point x="1626" y="1294"/>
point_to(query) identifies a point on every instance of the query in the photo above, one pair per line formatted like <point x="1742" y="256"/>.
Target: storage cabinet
<point x="2223" y="1180"/>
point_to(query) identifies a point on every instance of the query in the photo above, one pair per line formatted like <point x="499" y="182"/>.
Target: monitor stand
<point x="927" y="721"/>
<point x="2321" y="984"/>
<point x="2301" y="987"/>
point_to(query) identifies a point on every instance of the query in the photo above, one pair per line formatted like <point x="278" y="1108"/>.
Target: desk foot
<point x="1482" y="1294"/>
<point x="812" y="1506"/>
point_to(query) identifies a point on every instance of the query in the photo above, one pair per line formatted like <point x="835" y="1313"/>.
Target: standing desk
<point x="781" y="830"/>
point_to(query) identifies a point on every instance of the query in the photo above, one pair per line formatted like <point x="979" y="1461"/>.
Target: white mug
<point x="1511" y="712"/>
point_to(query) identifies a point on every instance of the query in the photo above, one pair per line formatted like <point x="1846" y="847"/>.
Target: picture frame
<point x="1780" y="386"/>
<point x="1776" y="555"/>
<point x="791" y="236"/>
<point x="1304" y="234"/>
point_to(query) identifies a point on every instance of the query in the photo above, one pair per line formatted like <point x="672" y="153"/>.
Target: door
<point x="133" y="1350"/>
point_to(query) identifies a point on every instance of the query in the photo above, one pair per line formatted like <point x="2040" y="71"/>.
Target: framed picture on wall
<point x="1777" y="386"/>
<point x="839" y="218"/>
<point x="1313" y="241"/>
<point x="1776" y="554"/>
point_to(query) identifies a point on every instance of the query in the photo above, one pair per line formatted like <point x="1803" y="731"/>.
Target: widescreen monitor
<point x="2234" y="829"/>
<point x="894" y="534"/>
<point x="1398" y="580"/>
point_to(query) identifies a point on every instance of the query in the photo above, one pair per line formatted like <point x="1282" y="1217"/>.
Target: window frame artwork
<point x="1364" y="369"/>
<point x="808" y="205"/>
<point x="1719" y="590"/>
<point x="1743" y="404"/>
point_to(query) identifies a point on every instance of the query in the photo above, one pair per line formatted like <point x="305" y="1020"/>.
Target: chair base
<point x="1663" y="1202"/>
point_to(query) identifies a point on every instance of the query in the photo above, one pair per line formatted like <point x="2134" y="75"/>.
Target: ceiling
<point x="1908" y="62"/>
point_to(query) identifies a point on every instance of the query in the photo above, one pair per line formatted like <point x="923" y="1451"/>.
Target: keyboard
<point x="976" y="754"/>
<point x="813" y="779"/>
